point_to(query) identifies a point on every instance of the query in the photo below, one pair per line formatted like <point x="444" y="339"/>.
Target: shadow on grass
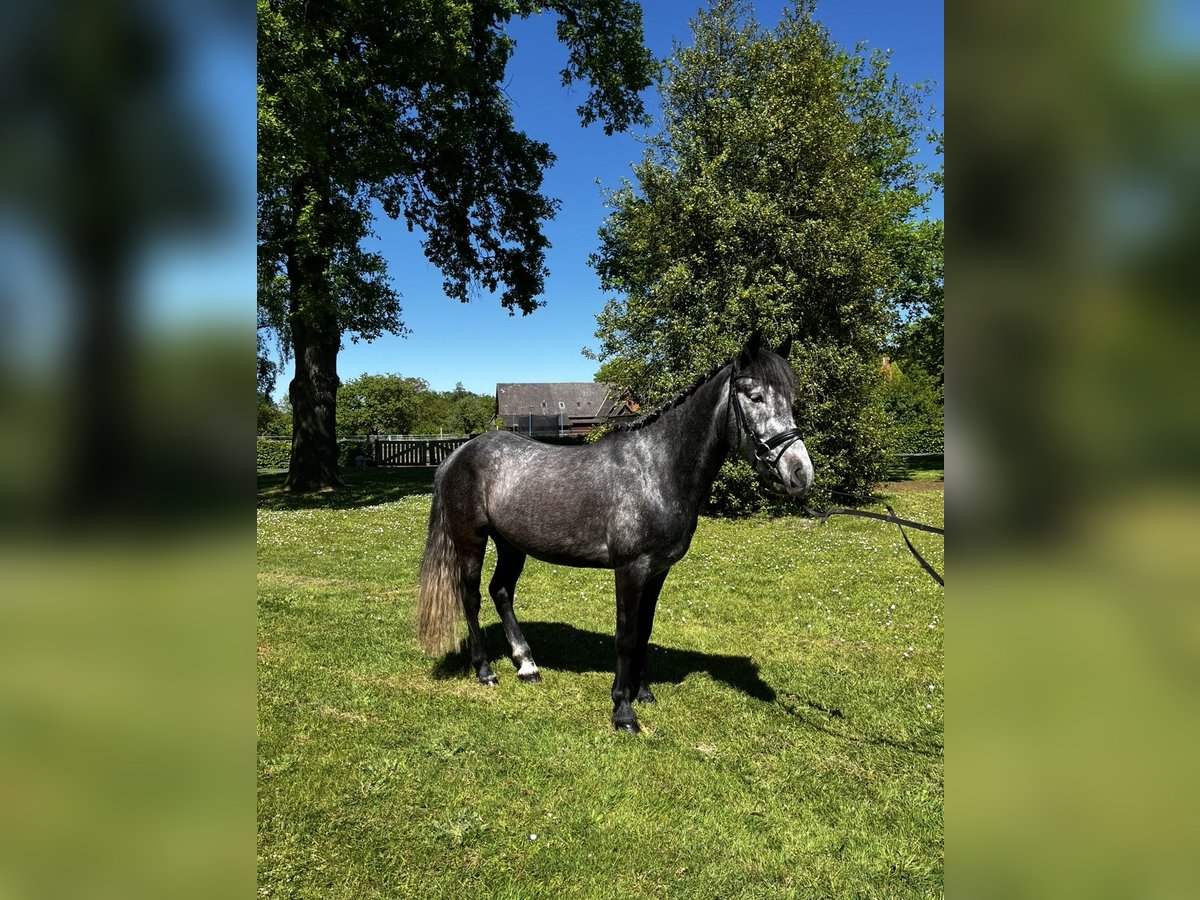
<point x="823" y="721"/>
<point x="368" y="487"/>
<point x="560" y="647"/>
<point x="568" y="649"/>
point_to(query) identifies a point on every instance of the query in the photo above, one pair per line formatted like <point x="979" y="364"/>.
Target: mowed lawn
<point x="795" y="751"/>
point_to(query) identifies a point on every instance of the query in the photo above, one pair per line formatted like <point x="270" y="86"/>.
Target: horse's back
<point x="491" y="458"/>
<point x="546" y="499"/>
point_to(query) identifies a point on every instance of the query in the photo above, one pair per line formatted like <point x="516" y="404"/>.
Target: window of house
<point x="561" y="405"/>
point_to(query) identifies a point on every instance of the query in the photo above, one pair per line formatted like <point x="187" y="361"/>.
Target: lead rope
<point x="890" y="517"/>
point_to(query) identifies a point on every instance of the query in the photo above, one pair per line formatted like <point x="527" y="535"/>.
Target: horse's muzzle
<point x="801" y="483"/>
<point x="795" y="471"/>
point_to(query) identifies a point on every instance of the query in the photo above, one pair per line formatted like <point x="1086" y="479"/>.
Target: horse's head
<point x="762" y="389"/>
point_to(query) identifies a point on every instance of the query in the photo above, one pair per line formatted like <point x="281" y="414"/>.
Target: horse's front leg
<point x="633" y="582"/>
<point x="639" y="682"/>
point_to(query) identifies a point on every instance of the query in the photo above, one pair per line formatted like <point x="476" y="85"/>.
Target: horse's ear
<point x="750" y="350"/>
<point x="753" y="345"/>
<point x="785" y="349"/>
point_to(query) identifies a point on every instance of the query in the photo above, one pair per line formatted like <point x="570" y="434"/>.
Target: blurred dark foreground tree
<point x="104" y="159"/>
<point x="403" y="105"/>
<point x="781" y="195"/>
<point x="123" y="561"/>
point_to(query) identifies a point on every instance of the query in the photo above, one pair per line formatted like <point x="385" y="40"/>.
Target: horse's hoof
<point x="627" y="727"/>
<point x="488" y="680"/>
<point x="530" y="677"/>
<point x="644" y="696"/>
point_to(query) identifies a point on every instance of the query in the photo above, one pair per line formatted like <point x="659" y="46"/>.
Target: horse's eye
<point x="756" y="398"/>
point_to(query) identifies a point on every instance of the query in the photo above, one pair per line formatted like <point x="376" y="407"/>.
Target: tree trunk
<point x="313" y="391"/>
<point x="101" y="482"/>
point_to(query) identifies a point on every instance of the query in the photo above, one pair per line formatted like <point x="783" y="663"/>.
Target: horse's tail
<point x="440" y="602"/>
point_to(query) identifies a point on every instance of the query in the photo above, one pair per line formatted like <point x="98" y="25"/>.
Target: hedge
<point x="274" y="454"/>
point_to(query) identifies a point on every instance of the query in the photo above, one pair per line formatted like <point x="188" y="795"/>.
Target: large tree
<point x="400" y="106"/>
<point x="778" y="196"/>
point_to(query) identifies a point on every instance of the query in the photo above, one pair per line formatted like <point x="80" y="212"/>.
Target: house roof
<point x="579" y="399"/>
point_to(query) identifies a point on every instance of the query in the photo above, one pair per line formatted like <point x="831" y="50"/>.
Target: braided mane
<point x="653" y="416"/>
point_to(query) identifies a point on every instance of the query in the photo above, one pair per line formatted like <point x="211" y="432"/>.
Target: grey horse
<point x="629" y="502"/>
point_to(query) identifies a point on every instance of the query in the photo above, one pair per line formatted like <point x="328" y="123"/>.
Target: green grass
<point x="918" y="470"/>
<point x="796" y="749"/>
<point x="925" y="475"/>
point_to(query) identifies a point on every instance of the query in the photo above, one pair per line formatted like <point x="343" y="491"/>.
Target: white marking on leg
<point x="528" y="668"/>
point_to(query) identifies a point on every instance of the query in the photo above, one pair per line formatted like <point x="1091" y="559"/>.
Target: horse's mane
<point x="765" y="364"/>
<point x="653" y="416"/>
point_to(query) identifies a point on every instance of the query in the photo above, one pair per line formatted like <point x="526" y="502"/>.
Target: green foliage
<point x="266" y="415"/>
<point x="911" y="400"/>
<point x="269" y="414"/>
<point x="735" y="491"/>
<point x="267" y="368"/>
<point x="778" y="196"/>
<point x="799" y="670"/>
<point x="839" y="413"/>
<point x="469" y="413"/>
<point x="389" y="404"/>
<point x="920" y="337"/>
<point x="274" y="418"/>
<point x="274" y="454"/>
<point x="596" y="432"/>
<point x="394" y="404"/>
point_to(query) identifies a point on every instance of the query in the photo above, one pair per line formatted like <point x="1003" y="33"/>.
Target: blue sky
<point x="478" y="343"/>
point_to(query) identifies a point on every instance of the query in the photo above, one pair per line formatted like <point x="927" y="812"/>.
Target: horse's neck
<point x="694" y="438"/>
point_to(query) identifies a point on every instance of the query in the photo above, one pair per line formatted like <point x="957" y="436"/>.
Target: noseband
<point x="764" y="448"/>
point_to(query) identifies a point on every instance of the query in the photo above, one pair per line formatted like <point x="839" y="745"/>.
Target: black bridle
<point x="763" y="447"/>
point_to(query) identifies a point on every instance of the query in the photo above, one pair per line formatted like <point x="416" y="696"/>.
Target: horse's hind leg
<point x="509" y="563"/>
<point x="472" y="568"/>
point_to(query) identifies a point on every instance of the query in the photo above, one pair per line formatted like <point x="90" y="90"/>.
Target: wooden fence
<point x="416" y="453"/>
